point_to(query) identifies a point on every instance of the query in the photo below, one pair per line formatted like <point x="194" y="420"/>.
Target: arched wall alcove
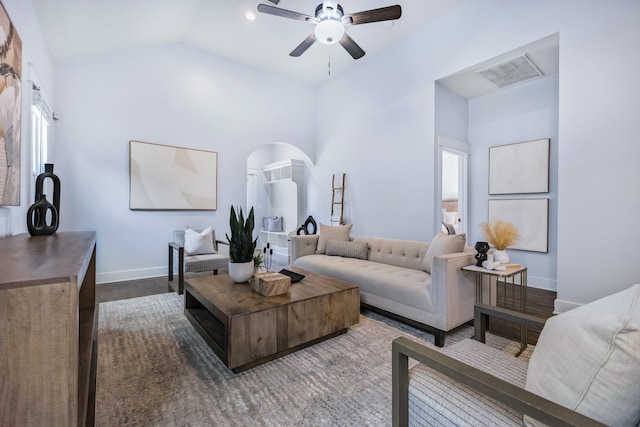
<point x="277" y="180"/>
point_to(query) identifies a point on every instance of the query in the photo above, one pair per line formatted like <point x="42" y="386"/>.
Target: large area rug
<point x="155" y="370"/>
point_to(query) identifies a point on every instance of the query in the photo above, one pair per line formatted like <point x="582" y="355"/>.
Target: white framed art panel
<point x="519" y="168"/>
<point x="164" y="177"/>
<point x="531" y="218"/>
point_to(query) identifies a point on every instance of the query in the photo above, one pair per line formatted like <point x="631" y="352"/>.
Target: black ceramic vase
<point x="37" y="213"/>
<point x="481" y="256"/>
<point x="304" y="228"/>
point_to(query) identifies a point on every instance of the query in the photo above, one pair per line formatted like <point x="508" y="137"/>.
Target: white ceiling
<point x="75" y="29"/>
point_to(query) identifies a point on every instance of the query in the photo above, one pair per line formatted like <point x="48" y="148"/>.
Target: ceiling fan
<point x="330" y="22"/>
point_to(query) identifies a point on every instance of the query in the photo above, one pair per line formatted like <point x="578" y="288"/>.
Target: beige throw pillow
<point x="588" y="359"/>
<point x="196" y="243"/>
<point x="340" y="232"/>
<point x="341" y="248"/>
<point x="443" y="244"/>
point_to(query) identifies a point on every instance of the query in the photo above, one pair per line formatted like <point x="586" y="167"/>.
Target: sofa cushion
<point x="198" y="242"/>
<point x="340" y="232"/>
<point x="401" y="253"/>
<point x="443" y="244"/>
<point x="347" y="249"/>
<point x="587" y="359"/>
<point x="404" y="285"/>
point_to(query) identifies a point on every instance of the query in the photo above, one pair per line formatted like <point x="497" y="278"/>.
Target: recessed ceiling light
<point x="250" y="15"/>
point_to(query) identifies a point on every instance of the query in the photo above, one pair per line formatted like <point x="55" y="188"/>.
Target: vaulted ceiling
<point x="76" y="29"/>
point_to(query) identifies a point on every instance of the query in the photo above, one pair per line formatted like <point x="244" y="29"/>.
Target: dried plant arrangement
<point x="501" y="234"/>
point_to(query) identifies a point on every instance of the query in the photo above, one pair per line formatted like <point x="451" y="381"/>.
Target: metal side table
<point x="513" y="276"/>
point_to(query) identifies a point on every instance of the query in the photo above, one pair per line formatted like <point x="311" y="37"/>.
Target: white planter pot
<point x="500" y="256"/>
<point x="241" y="272"/>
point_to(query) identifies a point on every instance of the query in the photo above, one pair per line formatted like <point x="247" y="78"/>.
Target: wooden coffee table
<point x="246" y="329"/>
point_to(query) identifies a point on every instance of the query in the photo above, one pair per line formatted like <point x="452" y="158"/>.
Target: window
<point x="40" y="121"/>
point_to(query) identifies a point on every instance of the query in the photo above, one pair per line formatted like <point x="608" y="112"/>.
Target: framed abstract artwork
<point x="164" y="177"/>
<point x="519" y="168"/>
<point x="531" y="218"/>
<point x="10" y="110"/>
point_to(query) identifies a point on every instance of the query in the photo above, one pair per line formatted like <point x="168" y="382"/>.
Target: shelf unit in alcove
<point x="276" y="177"/>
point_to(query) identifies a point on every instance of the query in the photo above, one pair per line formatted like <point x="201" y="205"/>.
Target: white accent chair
<point x="194" y="263"/>
<point x="584" y="371"/>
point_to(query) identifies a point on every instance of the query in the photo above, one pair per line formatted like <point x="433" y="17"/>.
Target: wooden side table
<point x="513" y="276"/>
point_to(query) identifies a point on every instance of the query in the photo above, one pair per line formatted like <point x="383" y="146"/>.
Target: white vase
<point x="500" y="256"/>
<point x="241" y="272"/>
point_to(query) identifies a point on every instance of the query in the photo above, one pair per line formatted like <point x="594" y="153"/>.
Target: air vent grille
<point x="510" y="72"/>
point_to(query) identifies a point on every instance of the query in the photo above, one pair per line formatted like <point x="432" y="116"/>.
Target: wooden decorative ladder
<point x="337" y="192"/>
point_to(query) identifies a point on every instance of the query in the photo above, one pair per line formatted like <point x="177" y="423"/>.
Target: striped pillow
<point x="358" y="250"/>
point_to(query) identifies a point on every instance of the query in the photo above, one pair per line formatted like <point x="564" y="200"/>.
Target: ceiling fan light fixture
<point x="329" y="31"/>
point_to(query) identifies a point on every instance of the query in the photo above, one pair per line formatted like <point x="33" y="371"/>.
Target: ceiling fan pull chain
<point x="329" y="64"/>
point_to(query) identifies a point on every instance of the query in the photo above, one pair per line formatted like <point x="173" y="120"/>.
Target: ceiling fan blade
<point x="375" y="15"/>
<point x="302" y="47"/>
<point x="351" y="46"/>
<point x="265" y="8"/>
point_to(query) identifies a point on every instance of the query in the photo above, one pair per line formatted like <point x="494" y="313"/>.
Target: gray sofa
<point x="393" y="280"/>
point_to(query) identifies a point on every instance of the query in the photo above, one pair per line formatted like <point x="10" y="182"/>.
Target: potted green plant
<point x="241" y="245"/>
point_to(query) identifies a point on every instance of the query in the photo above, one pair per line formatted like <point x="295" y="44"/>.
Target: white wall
<point x="388" y="119"/>
<point x="34" y="55"/>
<point x="521" y="113"/>
<point x="174" y="95"/>
<point x="451" y="113"/>
<point x="382" y="134"/>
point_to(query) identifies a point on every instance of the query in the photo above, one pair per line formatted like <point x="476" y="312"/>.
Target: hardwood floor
<point x="143" y="287"/>
<point x="539" y="303"/>
<point x="130" y="289"/>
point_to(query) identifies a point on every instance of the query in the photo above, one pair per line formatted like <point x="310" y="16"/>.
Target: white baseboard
<point x="542" y="283"/>
<point x="562" y="306"/>
<point x="121" y="276"/>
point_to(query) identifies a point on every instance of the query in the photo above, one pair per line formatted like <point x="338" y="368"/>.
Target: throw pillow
<point x="196" y="243"/>
<point x="358" y="250"/>
<point x="587" y="359"/>
<point x="340" y="232"/>
<point x="274" y="224"/>
<point x="443" y="244"/>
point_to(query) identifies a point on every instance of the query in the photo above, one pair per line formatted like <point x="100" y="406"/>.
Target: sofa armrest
<point x="452" y="289"/>
<point x="510" y="395"/>
<point x="302" y="245"/>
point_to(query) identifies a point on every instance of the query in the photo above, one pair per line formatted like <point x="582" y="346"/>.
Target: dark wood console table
<point x="48" y="324"/>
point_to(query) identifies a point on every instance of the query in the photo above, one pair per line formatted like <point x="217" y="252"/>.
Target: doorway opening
<point x="451" y="203"/>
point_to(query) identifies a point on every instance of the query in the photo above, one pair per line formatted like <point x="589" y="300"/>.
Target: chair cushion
<point x="436" y="399"/>
<point x="347" y="249"/>
<point x="340" y="232"/>
<point x="196" y="243"/>
<point x="588" y="359"/>
<point x="208" y="262"/>
<point x="443" y="244"/>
